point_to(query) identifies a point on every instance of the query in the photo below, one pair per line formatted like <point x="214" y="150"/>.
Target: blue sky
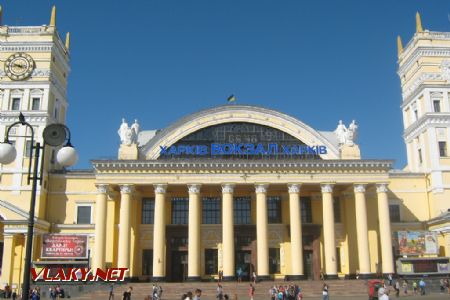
<point x="157" y="61"/>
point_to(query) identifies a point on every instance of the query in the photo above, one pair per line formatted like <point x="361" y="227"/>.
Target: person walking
<point x="219" y="292"/>
<point x="239" y="274"/>
<point x="111" y="292"/>
<point x="325" y="293"/>
<point x="198" y="294"/>
<point x="422" y="285"/>
<point x="254" y="278"/>
<point x="251" y="291"/>
<point x="405" y="287"/>
<point x="127" y="294"/>
<point x="397" y="288"/>
<point x="414" y="286"/>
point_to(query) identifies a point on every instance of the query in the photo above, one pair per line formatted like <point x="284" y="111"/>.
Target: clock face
<point x="19" y="66"/>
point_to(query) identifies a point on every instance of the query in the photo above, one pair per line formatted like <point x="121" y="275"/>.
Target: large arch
<point x="237" y="113"/>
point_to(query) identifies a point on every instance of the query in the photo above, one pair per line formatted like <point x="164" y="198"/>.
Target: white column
<point x="262" y="231"/>
<point x="296" y="232"/>
<point x="100" y="226"/>
<point x="329" y="239"/>
<point x="125" y="226"/>
<point x="194" y="246"/>
<point x="361" y="229"/>
<point x="159" y="234"/>
<point x="228" y="231"/>
<point x="385" y="229"/>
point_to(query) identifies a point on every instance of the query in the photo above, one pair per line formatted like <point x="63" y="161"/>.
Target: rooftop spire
<point x="67" y="41"/>
<point x="399" y="45"/>
<point x="53" y="16"/>
<point x="418" y="23"/>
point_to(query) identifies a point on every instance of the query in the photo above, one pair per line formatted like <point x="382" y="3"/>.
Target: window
<point x="338" y="259"/>
<point x="305" y="210"/>
<point x="147" y="262"/>
<point x="211" y="261"/>
<point x="242" y="210"/>
<point x="15" y="105"/>
<point x="84" y="214"/>
<point x="148" y="210"/>
<point x="337" y="210"/>
<point x="27" y="149"/>
<point x="394" y="212"/>
<point x="211" y="211"/>
<point x="180" y="211"/>
<point x="56" y="110"/>
<point x="35" y="103"/>
<point x="274" y="209"/>
<point x="274" y="260"/>
<point x="416" y="114"/>
<point x="443" y="149"/>
<point x="420" y="155"/>
<point x="437" y="105"/>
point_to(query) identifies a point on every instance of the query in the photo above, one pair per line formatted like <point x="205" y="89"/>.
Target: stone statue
<point x="346" y="136"/>
<point x="128" y="135"/>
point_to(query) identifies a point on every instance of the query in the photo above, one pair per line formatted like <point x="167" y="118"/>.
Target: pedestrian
<point x="405" y="287"/>
<point x="397" y="287"/>
<point x="219" y="292"/>
<point x="414" y="286"/>
<point x="239" y="274"/>
<point x="220" y="275"/>
<point x="198" y="294"/>
<point x="254" y="277"/>
<point x="442" y="285"/>
<point x="127" y="294"/>
<point x="325" y="295"/>
<point x="382" y="294"/>
<point x="52" y="293"/>
<point x="447" y="285"/>
<point x="111" y="292"/>
<point x="251" y="291"/>
<point x="14" y="295"/>
<point x="390" y="279"/>
<point x="422" y="285"/>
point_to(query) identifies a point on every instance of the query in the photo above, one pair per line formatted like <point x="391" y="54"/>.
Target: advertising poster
<point x="64" y="246"/>
<point x="417" y="242"/>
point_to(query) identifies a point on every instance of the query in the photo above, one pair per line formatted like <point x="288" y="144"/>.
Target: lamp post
<point x="53" y="135"/>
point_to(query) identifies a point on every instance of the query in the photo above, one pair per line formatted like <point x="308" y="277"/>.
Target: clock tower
<point x="34" y="66"/>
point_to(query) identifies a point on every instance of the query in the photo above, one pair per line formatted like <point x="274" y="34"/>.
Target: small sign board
<point x="64" y="246"/>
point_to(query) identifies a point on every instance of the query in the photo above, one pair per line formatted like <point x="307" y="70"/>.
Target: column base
<point x="331" y="276"/>
<point x="229" y="278"/>
<point x="158" y="278"/>
<point x="367" y="276"/>
<point x="295" y="277"/>
<point x="263" y="278"/>
<point x="193" y="279"/>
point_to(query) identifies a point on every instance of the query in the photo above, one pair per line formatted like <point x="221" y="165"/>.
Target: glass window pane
<point x="15" y="104"/>
<point x="211" y="261"/>
<point x="274" y="209"/>
<point x="27" y="149"/>
<point x="180" y="210"/>
<point x="242" y="210"/>
<point x="394" y="212"/>
<point x="274" y="260"/>
<point x="84" y="215"/>
<point x="147" y="261"/>
<point x="443" y="149"/>
<point x="211" y="210"/>
<point x="148" y="210"/>
<point x="337" y="210"/>
<point x="306" y="211"/>
<point x="36" y="103"/>
<point x="437" y="105"/>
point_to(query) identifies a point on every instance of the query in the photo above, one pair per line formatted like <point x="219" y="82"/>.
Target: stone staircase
<point x="173" y="291"/>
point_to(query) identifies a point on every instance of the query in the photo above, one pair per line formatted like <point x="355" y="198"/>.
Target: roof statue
<point x="346" y="136"/>
<point x="128" y="135"/>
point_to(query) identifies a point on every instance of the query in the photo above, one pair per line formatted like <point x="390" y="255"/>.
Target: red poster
<point x="64" y="246"/>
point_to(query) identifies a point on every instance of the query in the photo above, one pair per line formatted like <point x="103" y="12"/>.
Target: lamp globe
<point x="67" y="156"/>
<point x="7" y="153"/>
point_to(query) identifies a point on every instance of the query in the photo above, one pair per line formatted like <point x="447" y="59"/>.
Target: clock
<point x="19" y="66"/>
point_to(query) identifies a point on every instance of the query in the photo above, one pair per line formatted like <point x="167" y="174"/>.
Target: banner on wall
<point x="64" y="246"/>
<point x="417" y="242"/>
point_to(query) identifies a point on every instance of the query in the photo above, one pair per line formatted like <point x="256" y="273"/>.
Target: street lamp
<point x="54" y="135"/>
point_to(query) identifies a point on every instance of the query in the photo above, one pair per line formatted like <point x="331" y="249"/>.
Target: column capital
<point x="194" y="188"/>
<point x="227" y="188"/>
<point x="327" y="187"/>
<point x="126" y="188"/>
<point x="359" y="187"/>
<point x="261" y="187"/>
<point x="102" y="188"/>
<point x="382" y="187"/>
<point x="160" y="188"/>
<point x="294" y="188"/>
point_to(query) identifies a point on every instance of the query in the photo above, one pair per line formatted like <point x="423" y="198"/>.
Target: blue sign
<point x="241" y="149"/>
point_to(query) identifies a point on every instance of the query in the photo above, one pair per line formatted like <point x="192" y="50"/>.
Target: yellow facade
<point x="189" y="218"/>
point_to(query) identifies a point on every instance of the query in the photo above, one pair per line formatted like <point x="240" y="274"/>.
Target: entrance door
<point x="243" y="262"/>
<point x="308" y="263"/>
<point x="179" y="266"/>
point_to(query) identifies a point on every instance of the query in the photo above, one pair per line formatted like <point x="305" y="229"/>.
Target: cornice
<point x="425" y="121"/>
<point x="419" y="52"/>
<point x="420" y="80"/>
<point x="425" y="35"/>
<point x="224" y="166"/>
